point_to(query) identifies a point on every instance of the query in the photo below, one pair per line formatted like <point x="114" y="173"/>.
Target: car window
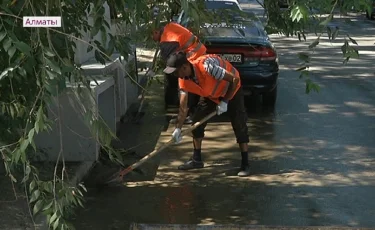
<point x="232" y="30"/>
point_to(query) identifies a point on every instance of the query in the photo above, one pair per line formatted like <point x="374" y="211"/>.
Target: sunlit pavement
<point x="312" y="158"/>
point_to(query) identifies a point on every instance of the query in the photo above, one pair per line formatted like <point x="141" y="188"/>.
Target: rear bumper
<point x="253" y="83"/>
<point x="258" y="83"/>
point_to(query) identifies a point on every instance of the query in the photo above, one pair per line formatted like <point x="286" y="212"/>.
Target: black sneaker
<point x="191" y="164"/>
<point x="244" y="171"/>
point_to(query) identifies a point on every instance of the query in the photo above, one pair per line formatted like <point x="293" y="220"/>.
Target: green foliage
<point x="313" y="16"/>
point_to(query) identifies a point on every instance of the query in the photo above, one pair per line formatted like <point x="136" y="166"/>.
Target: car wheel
<point x="269" y="98"/>
<point x="170" y="92"/>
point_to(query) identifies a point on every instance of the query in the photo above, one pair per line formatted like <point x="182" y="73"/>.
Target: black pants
<point x="193" y="100"/>
<point x="236" y="111"/>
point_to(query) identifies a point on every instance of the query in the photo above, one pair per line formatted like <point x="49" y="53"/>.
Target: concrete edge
<point x="135" y="226"/>
<point x="86" y="166"/>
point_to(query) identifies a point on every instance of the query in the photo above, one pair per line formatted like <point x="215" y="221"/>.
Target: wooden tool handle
<point x="164" y="146"/>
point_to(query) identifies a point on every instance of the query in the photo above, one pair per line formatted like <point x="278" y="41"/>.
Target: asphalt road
<point x="312" y="158"/>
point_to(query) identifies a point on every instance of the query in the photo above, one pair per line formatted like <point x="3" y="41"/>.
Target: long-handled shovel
<point x="118" y="177"/>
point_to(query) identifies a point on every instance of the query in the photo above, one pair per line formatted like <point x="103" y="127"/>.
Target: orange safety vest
<point x="207" y="85"/>
<point x="189" y="43"/>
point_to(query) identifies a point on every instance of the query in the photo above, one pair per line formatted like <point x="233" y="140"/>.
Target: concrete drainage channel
<point x="232" y="227"/>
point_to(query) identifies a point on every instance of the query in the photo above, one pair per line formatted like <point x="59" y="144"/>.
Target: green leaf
<point x="329" y="32"/>
<point x="82" y="186"/>
<point x="23" y="47"/>
<point x="6" y="72"/>
<point x="32" y="185"/>
<point x="11" y="51"/>
<point x="11" y="109"/>
<point x="24" y="144"/>
<point x="301" y="68"/>
<point x="99" y="57"/>
<point x="22" y="72"/>
<point x="39" y="125"/>
<point x="80" y="203"/>
<point x="56" y="224"/>
<point x="304" y="73"/>
<point x="52" y="75"/>
<point x="352" y="40"/>
<point x="31" y="135"/>
<point x="34" y="196"/>
<point x="297" y="13"/>
<point x="36" y="126"/>
<point x="67" y="69"/>
<point x="48" y="186"/>
<point x="334" y="35"/>
<point x="311" y="86"/>
<point x="38" y="206"/>
<point x="13" y="178"/>
<point x="2" y="35"/>
<point x="53" y="218"/>
<point x="314" y="43"/>
<point x="28" y="170"/>
<point x="53" y="65"/>
<point x="52" y="86"/>
<point x="94" y="31"/>
<point x="89" y="47"/>
<point x="304" y="57"/>
<point x="48" y="206"/>
<point x="47" y="51"/>
<point x="16" y="155"/>
<point x="327" y="20"/>
<point x="7" y="44"/>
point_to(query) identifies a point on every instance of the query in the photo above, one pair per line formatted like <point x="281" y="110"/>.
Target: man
<point x="172" y="38"/>
<point x="219" y="85"/>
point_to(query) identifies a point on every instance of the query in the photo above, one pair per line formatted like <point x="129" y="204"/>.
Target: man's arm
<point x="168" y="48"/>
<point x="212" y="67"/>
<point x="183" y="110"/>
<point x="233" y="83"/>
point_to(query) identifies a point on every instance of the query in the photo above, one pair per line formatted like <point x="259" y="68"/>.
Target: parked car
<point x="372" y="16"/>
<point x="244" y="43"/>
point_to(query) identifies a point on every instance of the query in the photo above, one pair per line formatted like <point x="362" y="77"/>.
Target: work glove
<point x="176" y="135"/>
<point x="221" y="108"/>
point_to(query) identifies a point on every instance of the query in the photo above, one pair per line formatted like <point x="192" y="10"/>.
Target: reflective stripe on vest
<point x="190" y="53"/>
<point x="233" y="71"/>
<point x="188" y="43"/>
<point x="224" y="65"/>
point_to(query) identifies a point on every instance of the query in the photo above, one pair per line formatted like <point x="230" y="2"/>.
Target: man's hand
<point x="176" y="135"/>
<point x="222" y="107"/>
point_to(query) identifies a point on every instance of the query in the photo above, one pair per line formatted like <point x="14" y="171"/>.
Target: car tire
<point x="269" y="98"/>
<point x="170" y="92"/>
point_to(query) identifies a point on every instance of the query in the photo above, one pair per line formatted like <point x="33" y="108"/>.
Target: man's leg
<point x="203" y="108"/>
<point x="238" y="118"/>
<point x="192" y="103"/>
